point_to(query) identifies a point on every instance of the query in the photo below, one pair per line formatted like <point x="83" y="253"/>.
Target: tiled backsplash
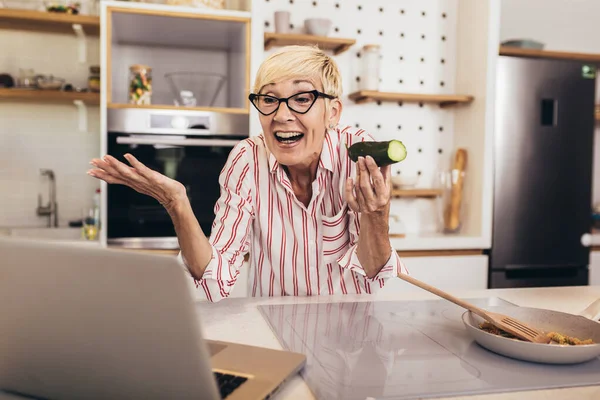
<point x="42" y="135"/>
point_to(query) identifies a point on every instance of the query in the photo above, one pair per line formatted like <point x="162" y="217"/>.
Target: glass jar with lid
<point x="369" y="79"/>
<point x="140" y="84"/>
<point x="94" y="79"/>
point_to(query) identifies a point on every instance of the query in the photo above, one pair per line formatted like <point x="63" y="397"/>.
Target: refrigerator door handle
<point x="534" y="267"/>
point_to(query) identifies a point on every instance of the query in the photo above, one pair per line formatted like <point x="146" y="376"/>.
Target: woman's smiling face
<point x="296" y="139"/>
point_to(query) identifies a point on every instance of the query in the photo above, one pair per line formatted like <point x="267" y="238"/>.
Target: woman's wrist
<point x="178" y="205"/>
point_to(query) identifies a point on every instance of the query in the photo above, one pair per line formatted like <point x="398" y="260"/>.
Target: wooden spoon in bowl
<point x="501" y="321"/>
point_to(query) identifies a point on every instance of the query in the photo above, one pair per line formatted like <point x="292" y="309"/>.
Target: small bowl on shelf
<point x="524" y="44"/>
<point x="404" y="181"/>
<point x="49" y="82"/>
<point x="317" y="26"/>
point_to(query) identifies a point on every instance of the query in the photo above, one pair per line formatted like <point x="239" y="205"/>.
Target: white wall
<point x="410" y="35"/>
<point x="42" y="135"/>
<point x="568" y="25"/>
<point x="564" y="25"/>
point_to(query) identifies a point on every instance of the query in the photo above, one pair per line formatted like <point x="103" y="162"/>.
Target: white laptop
<point x="91" y="323"/>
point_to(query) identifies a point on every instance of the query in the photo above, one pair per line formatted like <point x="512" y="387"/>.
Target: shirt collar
<point x="327" y="151"/>
<point x="273" y="163"/>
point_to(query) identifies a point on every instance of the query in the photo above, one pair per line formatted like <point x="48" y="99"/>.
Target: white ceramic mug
<point x="282" y="21"/>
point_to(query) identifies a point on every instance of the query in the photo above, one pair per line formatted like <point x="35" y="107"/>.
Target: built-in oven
<point x="191" y="147"/>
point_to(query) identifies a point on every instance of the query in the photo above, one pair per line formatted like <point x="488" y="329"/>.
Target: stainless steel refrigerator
<point x="543" y="153"/>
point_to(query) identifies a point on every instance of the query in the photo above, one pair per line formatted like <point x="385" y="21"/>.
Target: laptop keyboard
<point x="228" y="383"/>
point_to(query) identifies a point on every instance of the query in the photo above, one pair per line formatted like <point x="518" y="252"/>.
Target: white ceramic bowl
<point x="317" y="26"/>
<point x="546" y="320"/>
<point x="404" y="181"/>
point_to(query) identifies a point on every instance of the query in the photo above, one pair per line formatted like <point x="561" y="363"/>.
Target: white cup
<point x="282" y="21"/>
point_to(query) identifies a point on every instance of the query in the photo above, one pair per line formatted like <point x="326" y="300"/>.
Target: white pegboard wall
<point x="418" y="55"/>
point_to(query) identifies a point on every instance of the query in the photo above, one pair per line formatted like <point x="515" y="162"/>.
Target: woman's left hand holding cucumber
<point x="371" y="191"/>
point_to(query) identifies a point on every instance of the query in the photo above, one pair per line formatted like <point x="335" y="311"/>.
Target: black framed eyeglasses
<point x="300" y="103"/>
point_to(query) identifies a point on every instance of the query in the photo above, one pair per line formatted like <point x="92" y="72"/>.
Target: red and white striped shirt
<point x="294" y="249"/>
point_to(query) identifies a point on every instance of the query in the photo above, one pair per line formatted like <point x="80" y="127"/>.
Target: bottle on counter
<point x="91" y="219"/>
<point x="140" y="84"/>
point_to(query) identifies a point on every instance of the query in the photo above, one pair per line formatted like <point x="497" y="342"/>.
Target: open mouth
<point x="288" y="137"/>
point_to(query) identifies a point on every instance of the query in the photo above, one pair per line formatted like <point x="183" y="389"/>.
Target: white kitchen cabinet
<point x="594" y="268"/>
<point x="444" y="272"/>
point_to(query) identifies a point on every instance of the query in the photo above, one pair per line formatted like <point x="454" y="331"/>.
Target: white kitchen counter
<point x="239" y="320"/>
<point x="438" y="241"/>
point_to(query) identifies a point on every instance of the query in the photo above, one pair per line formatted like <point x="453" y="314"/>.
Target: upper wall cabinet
<point x="167" y="57"/>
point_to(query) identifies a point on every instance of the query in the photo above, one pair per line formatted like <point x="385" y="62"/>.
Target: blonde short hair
<point x="300" y="62"/>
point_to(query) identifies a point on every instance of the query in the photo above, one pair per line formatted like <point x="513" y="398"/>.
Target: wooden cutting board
<point x="452" y="215"/>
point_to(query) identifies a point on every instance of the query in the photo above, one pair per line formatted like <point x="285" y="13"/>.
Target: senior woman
<point x="313" y="221"/>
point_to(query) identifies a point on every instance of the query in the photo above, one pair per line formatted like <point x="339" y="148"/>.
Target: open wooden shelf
<point x="172" y="107"/>
<point x="444" y="100"/>
<point x="338" y="45"/>
<point x="47" y="21"/>
<point x="562" y="55"/>
<point x="49" y="96"/>
<point x="423" y="193"/>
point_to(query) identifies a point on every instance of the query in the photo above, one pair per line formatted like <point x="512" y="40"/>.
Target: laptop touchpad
<point x="215" y="348"/>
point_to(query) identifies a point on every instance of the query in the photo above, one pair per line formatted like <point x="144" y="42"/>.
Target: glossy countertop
<point x="239" y="320"/>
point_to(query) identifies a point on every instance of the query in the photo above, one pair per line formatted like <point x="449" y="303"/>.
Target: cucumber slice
<point x="384" y="153"/>
<point x="396" y="151"/>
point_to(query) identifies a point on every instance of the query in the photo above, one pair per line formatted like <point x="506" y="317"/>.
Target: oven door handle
<point x="170" y="141"/>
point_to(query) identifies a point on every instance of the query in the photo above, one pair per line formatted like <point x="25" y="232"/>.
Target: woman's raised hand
<point x="371" y="192"/>
<point x="138" y="177"/>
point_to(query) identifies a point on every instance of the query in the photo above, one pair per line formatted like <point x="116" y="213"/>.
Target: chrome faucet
<point x="50" y="209"/>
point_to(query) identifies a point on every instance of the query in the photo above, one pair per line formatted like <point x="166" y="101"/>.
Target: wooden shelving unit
<point x="47" y="21"/>
<point x="49" y="96"/>
<point x="172" y="107"/>
<point x="338" y="45"/>
<point x="416" y="193"/>
<point x="444" y="100"/>
<point x="562" y="55"/>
